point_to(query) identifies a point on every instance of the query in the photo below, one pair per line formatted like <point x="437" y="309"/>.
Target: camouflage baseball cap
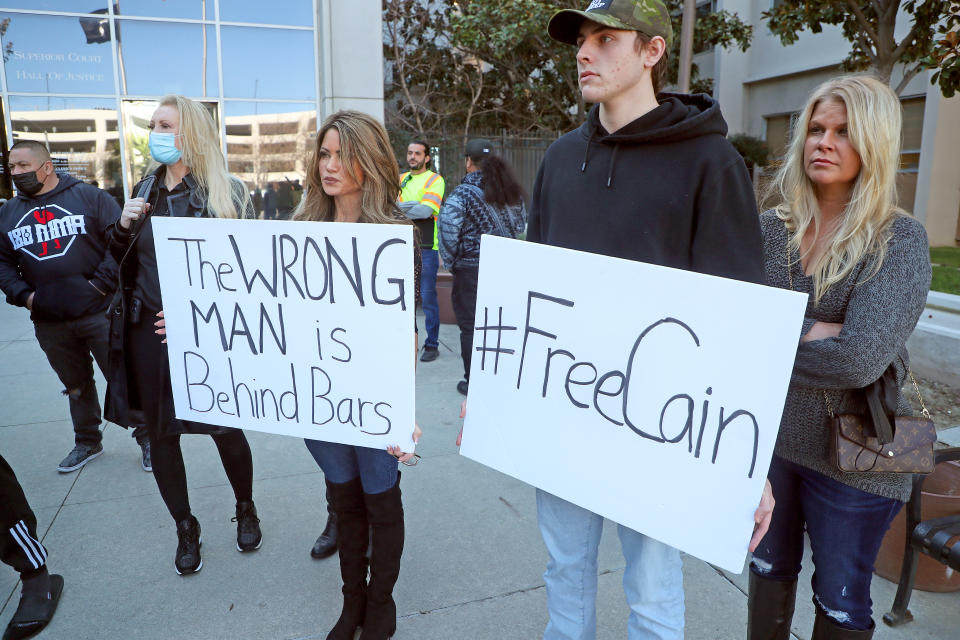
<point x="649" y="17"/>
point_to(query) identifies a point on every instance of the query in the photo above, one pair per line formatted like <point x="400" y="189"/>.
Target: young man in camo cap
<point x="651" y="177"/>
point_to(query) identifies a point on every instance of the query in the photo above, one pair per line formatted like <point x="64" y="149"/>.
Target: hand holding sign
<point x="763" y="516"/>
<point x="161" y="325"/>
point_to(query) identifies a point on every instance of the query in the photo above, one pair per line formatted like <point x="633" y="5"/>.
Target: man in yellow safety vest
<point x="421" y="192"/>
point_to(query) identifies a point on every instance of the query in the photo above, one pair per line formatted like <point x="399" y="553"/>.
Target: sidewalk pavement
<point x="472" y="566"/>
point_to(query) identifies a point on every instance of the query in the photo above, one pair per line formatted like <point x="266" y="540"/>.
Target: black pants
<point x="147" y="358"/>
<point x="19" y="545"/>
<point x="464" y="299"/>
<point x="69" y="346"/>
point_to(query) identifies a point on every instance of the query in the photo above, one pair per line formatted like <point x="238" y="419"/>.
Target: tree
<point x="869" y="26"/>
<point x="461" y="65"/>
<point x="8" y="49"/>
<point x="946" y="54"/>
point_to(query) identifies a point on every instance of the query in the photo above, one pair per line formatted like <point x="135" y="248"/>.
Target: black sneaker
<point x="34" y="611"/>
<point x="188" y="548"/>
<point x="81" y="455"/>
<point x="249" y="536"/>
<point x="145" y="460"/>
<point x="429" y="354"/>
<point x="462" y="386"/>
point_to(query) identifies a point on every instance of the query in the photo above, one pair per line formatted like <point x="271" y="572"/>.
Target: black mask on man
<point x="27" y="183"/>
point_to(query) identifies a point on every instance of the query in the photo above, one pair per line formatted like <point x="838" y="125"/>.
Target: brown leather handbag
<point x="869" y="442"/>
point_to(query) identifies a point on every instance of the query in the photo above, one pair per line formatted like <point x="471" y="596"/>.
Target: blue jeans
<point x="342" y="463"/>
<point x="428" y="295"/>
<point x="845" y="525"/>
<point x="652" y="579"/>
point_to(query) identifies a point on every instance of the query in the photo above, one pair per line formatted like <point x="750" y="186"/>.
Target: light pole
<point x="686" y="44"/>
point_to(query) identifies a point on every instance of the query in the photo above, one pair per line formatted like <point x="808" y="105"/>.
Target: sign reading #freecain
<point x="649" y="395"/>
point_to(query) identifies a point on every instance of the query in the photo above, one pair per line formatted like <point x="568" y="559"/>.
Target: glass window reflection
<point x="268" y="63"/>
<point x="189" y="9"/>
<point x="54" y="54"/>
<point x="193" y="74"/>
<point x="81" y="134"/>
<point x="48" y="5"/>
<point x="268" y="144"/>
<point x="291" y="12"/>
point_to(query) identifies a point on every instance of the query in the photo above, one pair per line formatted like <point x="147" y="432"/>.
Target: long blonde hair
<point x="873" y="124"/>
<point x="204" y="157"/>
<point x="363" y="143"/>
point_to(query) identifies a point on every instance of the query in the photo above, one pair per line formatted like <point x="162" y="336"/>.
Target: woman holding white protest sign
<point x="352" y="177"/>
<point x="191" y="181"/>
<point x="840" y="237"/>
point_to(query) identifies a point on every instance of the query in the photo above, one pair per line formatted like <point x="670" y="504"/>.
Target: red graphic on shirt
<point x="43" y="216"/>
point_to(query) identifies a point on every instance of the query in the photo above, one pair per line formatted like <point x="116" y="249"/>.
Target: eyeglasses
<point x="412" y="462"/>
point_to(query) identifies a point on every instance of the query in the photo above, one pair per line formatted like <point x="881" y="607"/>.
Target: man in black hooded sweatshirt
<point x="652" y="178"/>
<point x="54" y="261"/>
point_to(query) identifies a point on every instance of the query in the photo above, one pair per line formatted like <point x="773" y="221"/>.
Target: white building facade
<point x="762" y="89"/>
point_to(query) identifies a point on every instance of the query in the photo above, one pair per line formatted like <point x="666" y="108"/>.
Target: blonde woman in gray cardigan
<point x="839" y="236"/>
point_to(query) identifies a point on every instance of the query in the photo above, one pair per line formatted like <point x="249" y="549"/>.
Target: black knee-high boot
<point x="385" y="515"/>
<point x="770" y="608"/>
<point x="348" y="505"/>
<point x="825" y="629"/>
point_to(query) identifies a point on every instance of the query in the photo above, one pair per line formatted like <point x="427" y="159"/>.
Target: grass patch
<point x="946" y="280"/>
<point x="946" y="256"/>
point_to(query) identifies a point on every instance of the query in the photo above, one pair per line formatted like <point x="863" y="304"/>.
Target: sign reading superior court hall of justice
<point x="649" y="395"/>
<point x="295" y="328"/>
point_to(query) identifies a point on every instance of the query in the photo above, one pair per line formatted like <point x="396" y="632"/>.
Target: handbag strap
<point x="888" y="431"/>
<point x="146" y="186"/>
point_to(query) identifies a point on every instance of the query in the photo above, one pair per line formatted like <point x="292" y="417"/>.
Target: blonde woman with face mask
<point x="191" y="180"/>
<point x="839" y="236"/>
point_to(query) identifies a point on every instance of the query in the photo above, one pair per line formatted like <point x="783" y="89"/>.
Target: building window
<point x="252" y="64"/>
<point x="703" y="10"/>
<point x="910" y="152"/>
<point x="51" y="54"/>
<point x="195" y="72"/>
<point x="779" y="128"/>
<point x="81" y="134"/>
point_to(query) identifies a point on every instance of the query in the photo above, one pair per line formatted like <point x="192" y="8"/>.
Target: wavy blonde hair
<point x="204" y="157"/>
<point x="873" y="123"/>
<point x="364" y="145"/>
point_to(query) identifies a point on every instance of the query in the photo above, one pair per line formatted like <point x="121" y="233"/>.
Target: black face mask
<point x="27" y="183"/>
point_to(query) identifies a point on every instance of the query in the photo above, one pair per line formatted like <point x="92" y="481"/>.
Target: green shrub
<point x="947" y="256"/>
<point x="946" y="280"/>
<point x="753" y="150"/>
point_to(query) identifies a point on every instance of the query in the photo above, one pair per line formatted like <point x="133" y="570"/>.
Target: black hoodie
<point x="666" y="189"/>
<point x="54" y="245"/>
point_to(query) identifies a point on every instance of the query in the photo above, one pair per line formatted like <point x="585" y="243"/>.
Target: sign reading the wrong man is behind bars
<point x="651" y="396"/>
<point x="296" y="328"/>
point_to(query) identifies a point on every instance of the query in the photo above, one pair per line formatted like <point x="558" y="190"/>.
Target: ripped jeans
<point x="845" y="525"/>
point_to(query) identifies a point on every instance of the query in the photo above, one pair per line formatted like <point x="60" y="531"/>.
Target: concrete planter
<point x="941" y="497"/>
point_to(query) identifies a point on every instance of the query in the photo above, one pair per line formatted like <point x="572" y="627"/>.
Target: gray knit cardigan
<point x="878" y="314"/>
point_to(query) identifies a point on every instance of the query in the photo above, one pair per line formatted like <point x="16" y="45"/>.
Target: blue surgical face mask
<point x="163" y="147"/>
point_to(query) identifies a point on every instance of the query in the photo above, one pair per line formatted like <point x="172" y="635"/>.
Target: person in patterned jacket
<point x="488" y="201"/>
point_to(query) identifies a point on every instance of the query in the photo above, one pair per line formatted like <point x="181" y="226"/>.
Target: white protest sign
<point x="296" y="328"/>
<point x="651" y="396"/>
